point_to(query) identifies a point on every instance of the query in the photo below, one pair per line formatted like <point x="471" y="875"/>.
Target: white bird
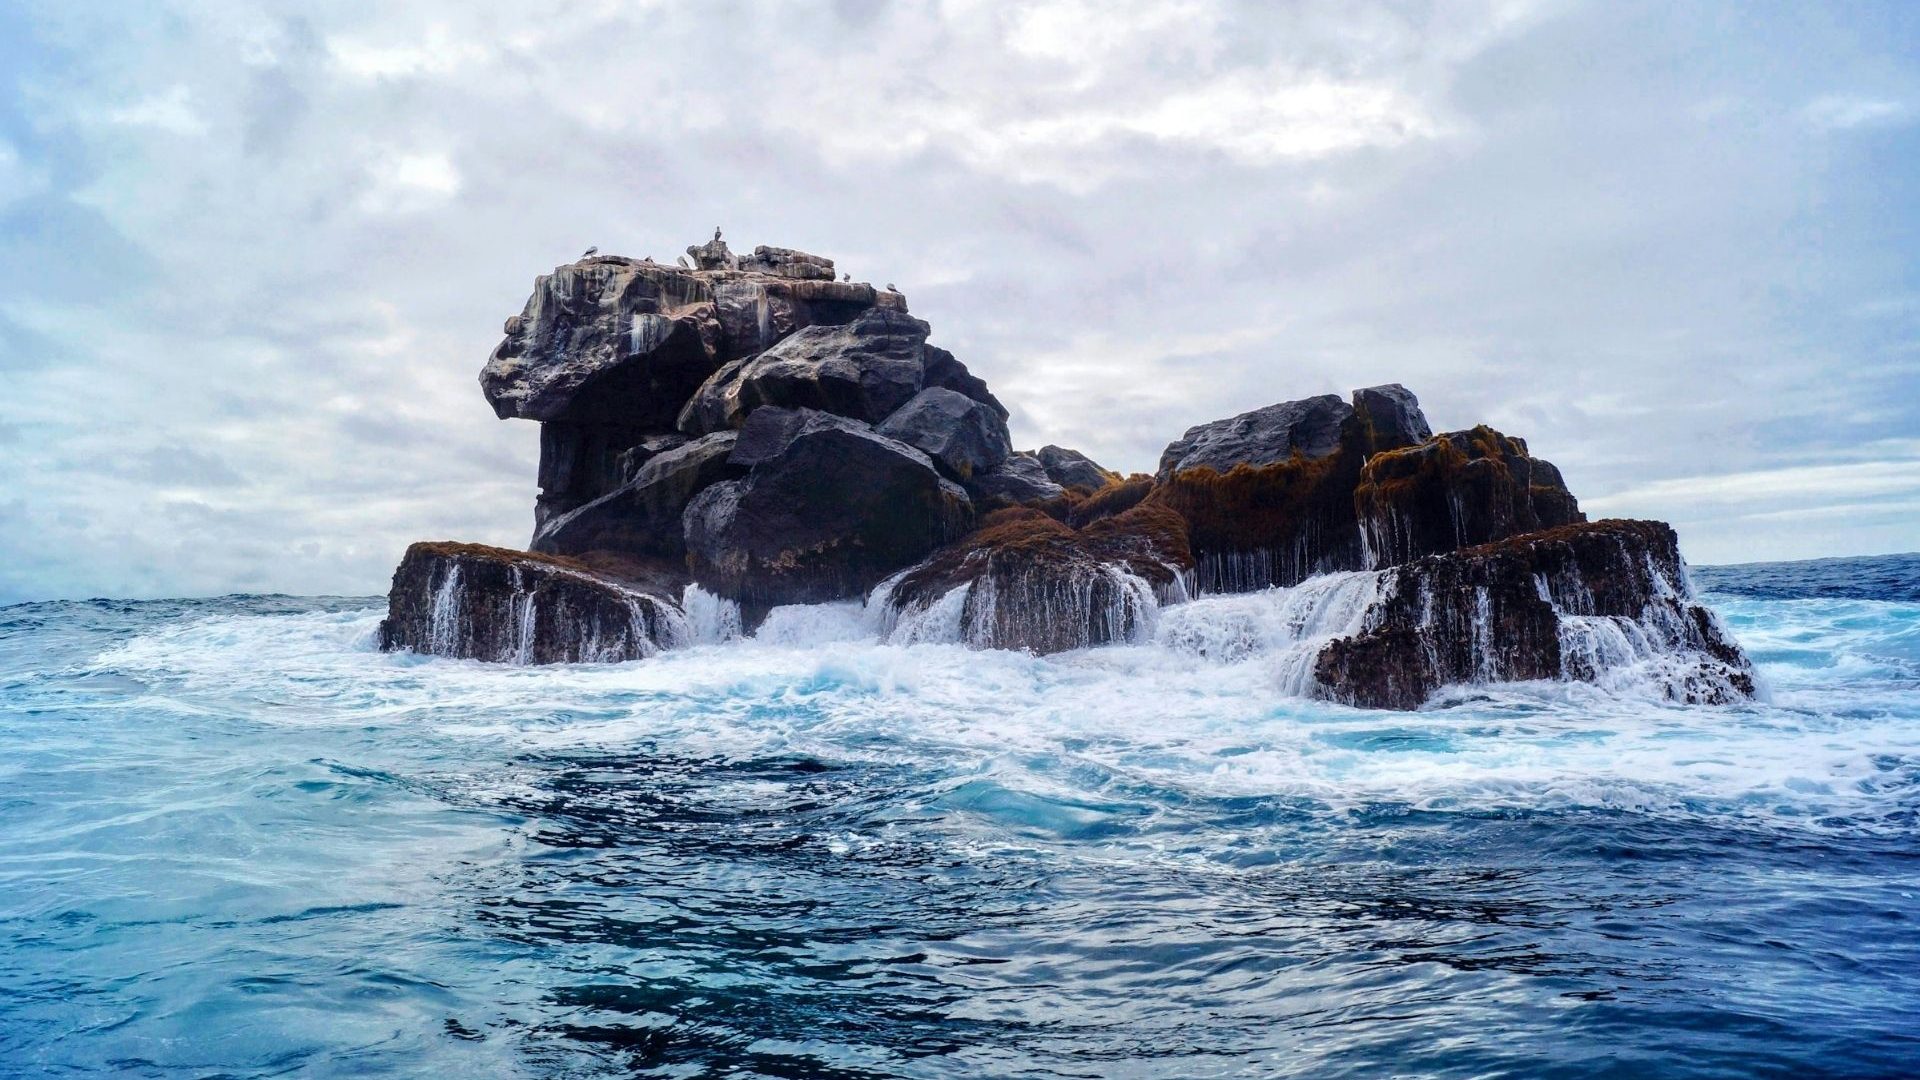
<point x="590" y="251"/>
<point x="682" y="260"/>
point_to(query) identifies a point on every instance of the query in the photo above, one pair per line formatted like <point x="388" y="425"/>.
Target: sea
<point x="236" y="840"/>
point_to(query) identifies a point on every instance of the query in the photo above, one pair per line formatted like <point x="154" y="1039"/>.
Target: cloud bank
<point x="250" y="262"/>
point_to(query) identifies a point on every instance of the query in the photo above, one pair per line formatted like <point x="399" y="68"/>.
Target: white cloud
<point x="171" y="111"/>
<point x="1840" y="112"/>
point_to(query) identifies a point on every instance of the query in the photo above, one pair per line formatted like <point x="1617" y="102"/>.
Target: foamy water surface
<point x="237" y="840"/>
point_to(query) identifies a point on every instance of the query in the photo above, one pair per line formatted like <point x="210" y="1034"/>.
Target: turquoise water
<point x="237" y="841"/>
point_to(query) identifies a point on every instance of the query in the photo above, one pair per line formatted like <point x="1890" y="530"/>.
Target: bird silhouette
<point x="590" y="251"/>
<point x="846" y="277"/>
<point x="716" y="232"/>
<point x="890" y="287"/>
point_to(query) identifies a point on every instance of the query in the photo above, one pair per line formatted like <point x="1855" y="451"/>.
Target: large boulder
<point x="1017" y="480"/>
<point x="1073" y="469"/>
<point x="946" y="372"/>
<point x="865" y="370"/>
<point x="643" y="515"/>
<point x="1025" y="580"/>
<point x="605" y="340"/>
<point x="961" y="435"/>
<point x="1309" y="428"/>
<point x="1391" y="417"/>
<point x="1456" y="490"/>
<point x="828" y="508"/>
<point x="1606" y="602"/>
<point x="474" y="602"/>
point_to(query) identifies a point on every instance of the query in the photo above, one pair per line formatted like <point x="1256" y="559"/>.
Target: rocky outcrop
<point x="827" y="509"/>
<point x="1604" y="602"/>
<point x="1025" y="580"/>
<point x="484" y="603"/>
<point x="1456" y="490"/>
<point x="1370" y="497"/>
<point x="607" y="351"/>
<point x="961" y="435"/>
<point x="642" y="516"/>
<point x="749" y="424"/>
<point x="1308" y="429"/>
<point x="1018" y="480"/>
<point x="865" y="369"/>
<point x="1073" y="469"/>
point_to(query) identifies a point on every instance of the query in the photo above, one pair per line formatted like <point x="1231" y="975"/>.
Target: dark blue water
<point x="236" y="841"/>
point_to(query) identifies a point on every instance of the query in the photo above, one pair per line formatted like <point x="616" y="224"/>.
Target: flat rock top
<point x="1261" y="437"/>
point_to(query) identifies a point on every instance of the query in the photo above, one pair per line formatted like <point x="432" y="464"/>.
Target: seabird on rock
<point x="716" y="233"/>
<point x="890" y="287"/>
<point x="846" y="277"/>
<point x="590" y="251"/>
<point x="682" y="260"/>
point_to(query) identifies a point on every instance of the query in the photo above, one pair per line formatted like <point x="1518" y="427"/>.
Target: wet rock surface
<point x="827" y="509"/>
<point x="752" y="425"/>
<point x="1576" y="602"/>
<point x="1025" y="580"/>
<point x="476" y="602"/>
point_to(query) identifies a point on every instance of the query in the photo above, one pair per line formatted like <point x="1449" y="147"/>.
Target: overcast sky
<point x="252" y="260"/>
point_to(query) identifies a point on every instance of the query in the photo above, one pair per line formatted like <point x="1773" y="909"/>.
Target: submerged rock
<point x="1604" y="602"/>
<point x="1024" y="580"/>
<point x="474" y="602"/>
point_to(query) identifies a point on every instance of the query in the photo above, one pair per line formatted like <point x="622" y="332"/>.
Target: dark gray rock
<point x="1021" y="478"/>
<point x="1582" y="602"/>
<point x="1310" y="427"/>
<point x="646" y="450"/>
<point x="475" y="602"/>
<point x="770" y="431"/>
<point x="1391" y="417"/>
<point x="962" y="435"/>
<point x="865" y="369"/>
<point x="823" y="517"/>
<point x="1071" y="468"/>
<point x="643" y="515"/>
<point x="578" y="464"/>
<point x="605" y="341"/>
<point x="945" y="371"/>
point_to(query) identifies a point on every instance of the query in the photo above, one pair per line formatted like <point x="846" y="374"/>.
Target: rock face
<point x="1308" y="429"/>
<point x="1027" y="581"/>
<point x="1071" y="468"/>
<point x="865" y="370"/>
<point x="642" y="516"/>
<point x="827" y="509"/>
<point x="961" y="435"/>
<point x="485" y="603"/>
<point x="1587" y="602"/>
<point x="749" y="424"/>
<point x="1460" y="489"/>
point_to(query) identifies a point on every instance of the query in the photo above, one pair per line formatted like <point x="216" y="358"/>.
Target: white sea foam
<point x="1209" y="706"/>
